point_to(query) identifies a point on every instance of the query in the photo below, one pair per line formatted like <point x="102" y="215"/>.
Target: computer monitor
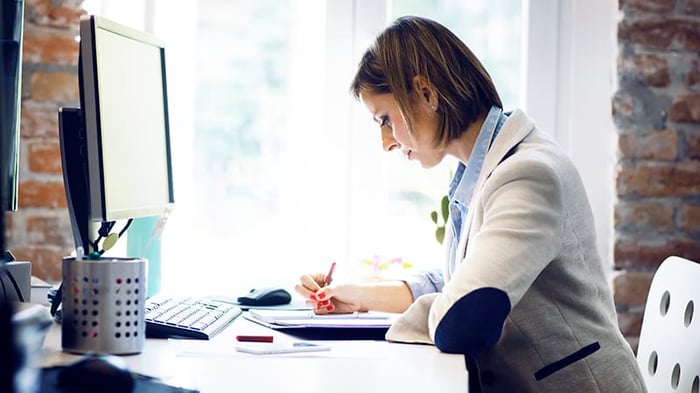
<point x="11" y="21"/>
<point x="116" y="147"/>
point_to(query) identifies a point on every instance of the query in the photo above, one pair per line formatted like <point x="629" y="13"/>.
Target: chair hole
<point x="675" y="376"/>
<point x="653" y="363"/>
<point x="696" y="385"/>
<point x="665" y="303"/>
<point x="689" y="309"/>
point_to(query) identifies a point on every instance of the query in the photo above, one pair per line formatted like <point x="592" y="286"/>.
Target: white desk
<point x="350" y="366"/>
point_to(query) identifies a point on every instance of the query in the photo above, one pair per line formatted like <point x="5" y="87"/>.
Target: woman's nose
<point x="388" y="141"/>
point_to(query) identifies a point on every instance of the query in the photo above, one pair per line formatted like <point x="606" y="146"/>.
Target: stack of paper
<point x="310" y="319"/>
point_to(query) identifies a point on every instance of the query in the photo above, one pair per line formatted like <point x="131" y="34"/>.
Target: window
<point x="277" y="170"/>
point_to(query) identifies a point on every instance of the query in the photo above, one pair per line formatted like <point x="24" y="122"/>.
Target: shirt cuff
<point x="424" y="282"/>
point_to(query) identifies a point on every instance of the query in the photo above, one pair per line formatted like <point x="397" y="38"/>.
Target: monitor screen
<point x="10" y="100"/>
<point x="125" y="109"/>
<point x="11" y="22"/>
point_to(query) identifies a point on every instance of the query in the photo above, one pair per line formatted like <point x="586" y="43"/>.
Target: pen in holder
<point x="103" y="305"/>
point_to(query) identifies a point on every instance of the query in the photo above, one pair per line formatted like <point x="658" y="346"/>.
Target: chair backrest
<point x="669" y="343"/>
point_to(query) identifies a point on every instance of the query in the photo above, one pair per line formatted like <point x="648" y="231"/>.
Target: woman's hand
<point x="335" y="298"/>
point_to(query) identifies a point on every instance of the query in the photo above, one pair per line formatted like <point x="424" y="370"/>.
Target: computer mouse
<point x="269" y="296"/>
<point x="96" y="373"/>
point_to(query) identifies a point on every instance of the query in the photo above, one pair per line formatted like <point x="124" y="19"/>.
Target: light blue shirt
<point x="460" y="194"/>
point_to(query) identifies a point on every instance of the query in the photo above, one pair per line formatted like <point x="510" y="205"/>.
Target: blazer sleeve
<point x="515" y="232"/>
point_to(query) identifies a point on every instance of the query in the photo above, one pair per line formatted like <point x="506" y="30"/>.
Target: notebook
<point x="306" y="324"/>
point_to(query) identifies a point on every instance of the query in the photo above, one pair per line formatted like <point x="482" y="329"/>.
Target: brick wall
<point x="39" y="231"/>
<point x="657" y="113"/>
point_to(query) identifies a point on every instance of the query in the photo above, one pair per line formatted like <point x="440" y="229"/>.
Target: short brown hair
<point x="413" y="46"/>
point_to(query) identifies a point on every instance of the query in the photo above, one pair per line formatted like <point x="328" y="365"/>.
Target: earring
<point x="433" y="107"/>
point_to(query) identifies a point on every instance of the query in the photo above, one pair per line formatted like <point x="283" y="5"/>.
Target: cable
<point x="104" y="233"/>
<point x="56" y="300"/>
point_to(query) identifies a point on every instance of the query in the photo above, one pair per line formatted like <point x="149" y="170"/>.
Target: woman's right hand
<point x="334" y="298"/>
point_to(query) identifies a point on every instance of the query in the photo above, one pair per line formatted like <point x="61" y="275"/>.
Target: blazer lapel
<point x="514" y="130"/>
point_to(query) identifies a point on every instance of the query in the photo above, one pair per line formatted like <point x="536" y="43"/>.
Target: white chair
<point x="669" y="343"/>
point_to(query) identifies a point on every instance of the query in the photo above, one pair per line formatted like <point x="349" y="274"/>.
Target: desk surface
<point x="350" y="366"/>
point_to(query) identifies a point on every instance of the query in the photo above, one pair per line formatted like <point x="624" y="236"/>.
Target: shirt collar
<point x="489" y="129"/>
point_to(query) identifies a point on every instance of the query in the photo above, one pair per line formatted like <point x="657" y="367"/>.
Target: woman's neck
<point x="462" y="147"/>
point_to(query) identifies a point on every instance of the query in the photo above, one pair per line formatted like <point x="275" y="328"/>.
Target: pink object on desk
<point x="251" y="338"/>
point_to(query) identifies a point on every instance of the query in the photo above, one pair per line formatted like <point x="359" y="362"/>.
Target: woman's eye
<point x="384" y="121"/>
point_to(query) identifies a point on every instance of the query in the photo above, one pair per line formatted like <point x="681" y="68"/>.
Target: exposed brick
<point x="623" y="105"/>
<point x="641" y="106"/>
<point x="65" y="13"/>
<point x="34" y="193"/>
<point x="693" y="146"/>
<point x="639" y="217"/>
<point x="653" y="69"/>
<point x="685" y="108"/>
<point x="45" y="157"/>
<point x="39" y="121"/>
<point x="630" y="322"/>
<point x="47" y="45"/>
<point x="692" y="7"/>
<point x="632" y="287"/>
<point x="661" y="33"/>
<point x="688" y="36"/>
<point x="694" y="73"/>
<point x="635" y="256"/>
<point x="9" y="225"/>
<point x="660" y="180"/>
<point x="690" y="217"/>
<point x="46" y="260"/>
<point x="49" y="230"/>
<point x="57" y="87"/>
<point x="661" y="145"/>
<point x="658" y="6"/>
<point x="651" y="33"/>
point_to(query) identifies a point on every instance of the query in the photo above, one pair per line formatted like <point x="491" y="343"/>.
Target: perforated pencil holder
<point x="103" y="305"/>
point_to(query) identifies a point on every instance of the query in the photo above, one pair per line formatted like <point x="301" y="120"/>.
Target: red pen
<point x="257" y="339"/>
<point x="329" y="276"/>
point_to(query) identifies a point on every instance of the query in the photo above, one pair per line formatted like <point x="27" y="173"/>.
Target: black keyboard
<point x="188" y="317"/>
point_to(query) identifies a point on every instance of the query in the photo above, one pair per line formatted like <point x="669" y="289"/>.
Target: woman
<point x="524" y="294"/>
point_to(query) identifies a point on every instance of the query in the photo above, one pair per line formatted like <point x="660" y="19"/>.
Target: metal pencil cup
<point x="103" y="305"/>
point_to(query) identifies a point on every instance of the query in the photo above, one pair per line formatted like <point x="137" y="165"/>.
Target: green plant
<point x="444" y="214"/>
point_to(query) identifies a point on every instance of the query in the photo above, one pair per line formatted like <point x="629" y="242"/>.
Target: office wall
<point x="39" y="231"/>
<point x="656" y="110"/>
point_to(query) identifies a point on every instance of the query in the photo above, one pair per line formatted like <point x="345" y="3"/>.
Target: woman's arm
<point x="387" y="296"/>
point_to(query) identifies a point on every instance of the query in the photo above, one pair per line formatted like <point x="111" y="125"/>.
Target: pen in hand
<point x="329" y="276"/>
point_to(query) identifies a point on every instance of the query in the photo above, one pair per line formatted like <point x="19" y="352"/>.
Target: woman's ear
<point x="426" y="91"/>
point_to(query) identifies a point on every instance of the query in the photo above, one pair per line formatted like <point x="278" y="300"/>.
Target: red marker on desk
<point x="257" y="339"/>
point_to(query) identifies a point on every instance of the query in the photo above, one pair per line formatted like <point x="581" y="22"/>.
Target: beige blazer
<point x="529" y="302"/>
